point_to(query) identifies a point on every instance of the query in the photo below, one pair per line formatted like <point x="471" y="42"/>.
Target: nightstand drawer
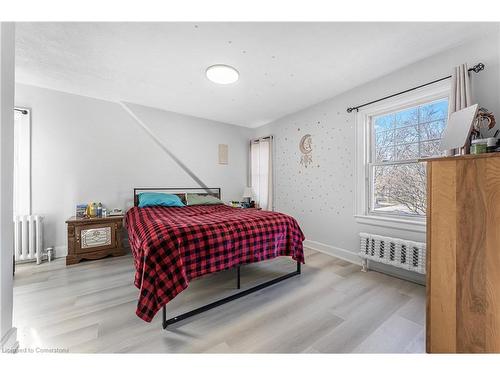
<point x="95" y="237"/>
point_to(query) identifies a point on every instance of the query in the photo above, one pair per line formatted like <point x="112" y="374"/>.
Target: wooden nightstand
<point x="94" y="238"/>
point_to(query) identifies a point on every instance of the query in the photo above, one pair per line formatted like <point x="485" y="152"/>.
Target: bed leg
<point x="238" y="281"/>
<point x="298" y="267"/>
<point x="164" y="316"/>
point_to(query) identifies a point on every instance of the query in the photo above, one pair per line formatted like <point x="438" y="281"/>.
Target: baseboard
<point x="337" y="252"/>
<point x="9" y="343"/>
<point x="352" y="257"/>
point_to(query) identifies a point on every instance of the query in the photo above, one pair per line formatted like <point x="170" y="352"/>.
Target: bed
<point x="173" y="245"/>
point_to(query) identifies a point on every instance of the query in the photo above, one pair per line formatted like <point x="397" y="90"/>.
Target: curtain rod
<point x="261" y="138"/>
<point x="476" y="69"/>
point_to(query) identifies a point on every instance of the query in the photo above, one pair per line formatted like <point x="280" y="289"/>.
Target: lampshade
<point x="248" y="192"/>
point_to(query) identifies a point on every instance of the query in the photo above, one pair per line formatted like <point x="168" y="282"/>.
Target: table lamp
<point x="247" y="196"/>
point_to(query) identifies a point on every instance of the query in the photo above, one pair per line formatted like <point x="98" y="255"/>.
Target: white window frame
<point x="363" y="136"/>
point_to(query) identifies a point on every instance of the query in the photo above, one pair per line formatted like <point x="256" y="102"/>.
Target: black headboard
<point x="180" y="191"/>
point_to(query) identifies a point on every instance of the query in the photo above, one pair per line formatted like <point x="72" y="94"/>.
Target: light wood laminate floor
<point x="332" y="307"/>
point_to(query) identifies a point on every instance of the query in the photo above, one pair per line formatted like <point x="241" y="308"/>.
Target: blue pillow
<point x="159" y="199"/>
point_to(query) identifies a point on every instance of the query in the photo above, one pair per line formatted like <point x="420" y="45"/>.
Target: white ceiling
<point x="283" y="67"/>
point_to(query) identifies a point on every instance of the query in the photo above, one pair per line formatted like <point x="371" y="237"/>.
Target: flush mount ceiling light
<point x="222" y="74"/>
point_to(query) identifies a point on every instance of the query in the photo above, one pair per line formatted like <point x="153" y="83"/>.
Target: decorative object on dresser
<point x="115" y="212"/>
<point x="81" y="210"/>
<point x="91" y="210"/>
<point x="484" y="121"/>
<point x="463" y="254"/>
<point x="236" y="204"/>
<point x="94" y="238"/>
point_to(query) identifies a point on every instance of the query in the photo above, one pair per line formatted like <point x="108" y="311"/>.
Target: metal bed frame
<point x="217" y="193"/>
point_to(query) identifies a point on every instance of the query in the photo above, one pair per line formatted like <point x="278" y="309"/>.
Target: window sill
<point x="392" y="222"/>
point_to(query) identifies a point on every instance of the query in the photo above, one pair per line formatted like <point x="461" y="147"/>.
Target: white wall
<point x="321" y="197"/>
<point x="84" y="149"/>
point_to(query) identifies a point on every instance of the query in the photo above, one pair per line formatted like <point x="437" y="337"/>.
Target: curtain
<point x="460" y="96"/>
<point x="261" y="177"/>
<point x="22" y="164"/>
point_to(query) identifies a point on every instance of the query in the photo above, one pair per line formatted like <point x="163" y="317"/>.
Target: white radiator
<point x="397" y="252"/>
<point x="28" y="238"/>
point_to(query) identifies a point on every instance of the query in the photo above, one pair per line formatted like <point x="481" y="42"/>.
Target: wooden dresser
<point x="463" y="254"/>
<point x="94" y="238"/>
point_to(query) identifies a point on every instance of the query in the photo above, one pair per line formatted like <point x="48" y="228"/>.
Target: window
<point x="22" y="162"/>
<point x="391" y="136"/>
<point x="398" y="140"/>
<point x="261" y="176"/>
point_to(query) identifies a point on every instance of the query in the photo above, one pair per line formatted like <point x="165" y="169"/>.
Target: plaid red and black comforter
<point x="173" y="245"/>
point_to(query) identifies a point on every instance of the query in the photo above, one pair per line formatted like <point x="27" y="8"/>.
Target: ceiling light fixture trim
<point x="222" y="74"/>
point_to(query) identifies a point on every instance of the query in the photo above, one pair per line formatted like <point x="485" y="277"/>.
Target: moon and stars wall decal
<point x="305" y="147"/>
<point x="323" y="139"/>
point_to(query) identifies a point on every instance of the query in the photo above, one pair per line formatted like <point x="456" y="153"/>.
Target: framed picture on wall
<point x="223" y="154"/>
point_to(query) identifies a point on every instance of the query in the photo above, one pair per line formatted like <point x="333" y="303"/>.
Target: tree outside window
<point x="399" y="139"/>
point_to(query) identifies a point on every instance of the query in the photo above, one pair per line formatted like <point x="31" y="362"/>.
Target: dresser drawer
<point x="90" y="238"/>
<point x="94" y="238"/>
